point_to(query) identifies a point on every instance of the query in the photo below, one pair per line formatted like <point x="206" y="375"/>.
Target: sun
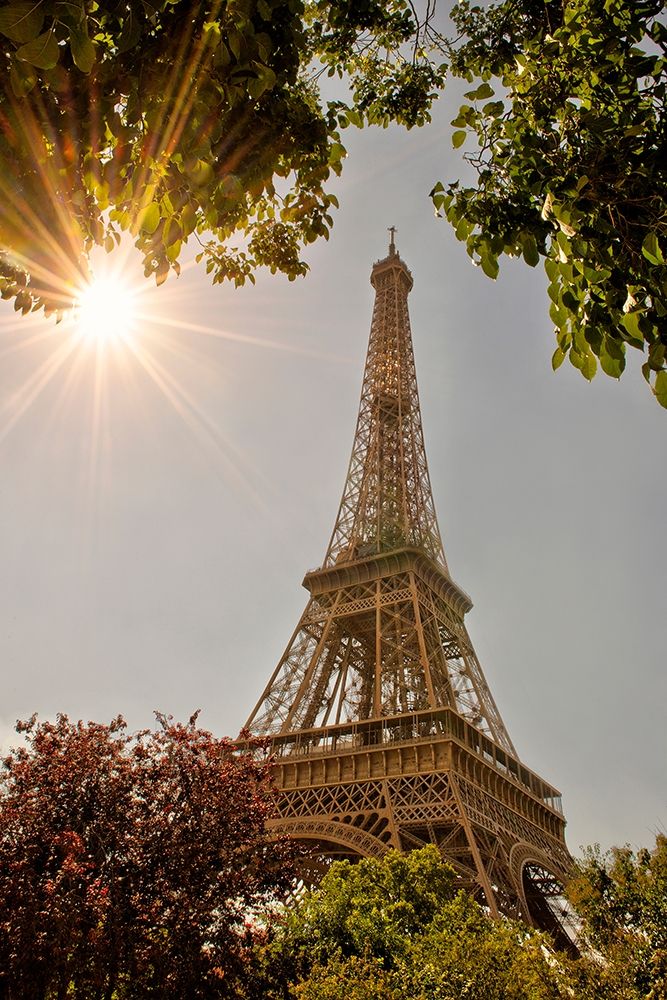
<point x="105" y="310"/>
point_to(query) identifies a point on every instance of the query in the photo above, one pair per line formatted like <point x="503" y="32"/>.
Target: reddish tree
<point x="132" y="865"/>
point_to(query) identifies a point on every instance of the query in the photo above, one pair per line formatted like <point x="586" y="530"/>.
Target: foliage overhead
<point x="129" y="864"/>
<point x="567" y="109"/>
<point x="182" y="121"/>
<point x="176" y="119"/>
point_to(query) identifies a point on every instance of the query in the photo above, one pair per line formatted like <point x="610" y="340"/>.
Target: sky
<point x="161" y="500"/>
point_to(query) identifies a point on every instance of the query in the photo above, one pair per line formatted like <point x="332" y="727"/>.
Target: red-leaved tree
<point x="132" y="865"/>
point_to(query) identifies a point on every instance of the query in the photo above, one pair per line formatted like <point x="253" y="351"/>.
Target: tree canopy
<point x="176" y="119"/>
<point x="132" y="866"/>
<point x="567" y="118"/>
<point x="137" y="866"/>
<point x="398" y="929"/>
<point x="621" y="898"/>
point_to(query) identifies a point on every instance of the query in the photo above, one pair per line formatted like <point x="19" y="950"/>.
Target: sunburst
<point x="105" y="309"/>
<point x="124" y="334"/>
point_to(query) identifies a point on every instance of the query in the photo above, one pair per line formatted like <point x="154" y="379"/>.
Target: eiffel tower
<point x="384" y="730"/>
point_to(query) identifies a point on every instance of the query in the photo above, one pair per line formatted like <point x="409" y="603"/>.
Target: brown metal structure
<point x="384" y="729"/>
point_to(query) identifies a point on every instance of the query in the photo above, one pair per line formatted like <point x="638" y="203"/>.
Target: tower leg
<point x="482" y="874"/>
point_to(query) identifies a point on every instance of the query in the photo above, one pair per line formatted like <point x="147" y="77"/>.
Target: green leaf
<point x="564" y="247"/>
<point x="441" y="202"/>
<point x="651" y="249"/>
<point x="188" y="219"/>
<point x="42" y="51"/>
<point x="83" y="50"/>
<point x="489" y="265"/>
<point x="564" y="338"/>
<point x="569" y="300"/>
<point x="131" y="32"/>
<point x="234" y="43"/>
<point x="354" y="118"/>
<point x="589" y="366"/>
<point x="656" y="355"/>
<point x="172" y="232"/>
<point x="150" y="219"/>
<point x="612" y="366"/>
<point x="232" y="188"/>
<point x="553" y="291"/>
<point x="630" y="323"/>
<point x="557" y="359"/>
<point x="593" y="335"/>
<point x="200" y="172"/>
<point x="458" y="138"/>
<point x="481" y="93"/>
<point x="576" y="359"/>
<point x="173" y="251"/>
<point x="337" y="152"/>
<point x="529" y="249"/>
<point x="595" y="275"/>
<point x="580" y="342"/>
<point x="660" y="388"/>
<point x="22" y="78"/>
<point x="22" y="22"/>
<point x="463" y="229"/>
<point x="493" y="109"/>
<point x="466" y="116"/>
<point x="558" y="315"/>
<point x="551" y="267"/>
<point x="614" y="348"/>
<point x="265" y="80"/>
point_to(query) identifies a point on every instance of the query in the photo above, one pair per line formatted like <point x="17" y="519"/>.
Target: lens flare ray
<point x="21" y="401"/>
<point x="194" y="417"/>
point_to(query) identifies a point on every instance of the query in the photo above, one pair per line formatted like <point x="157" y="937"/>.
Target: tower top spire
<point x="387" y="502"/>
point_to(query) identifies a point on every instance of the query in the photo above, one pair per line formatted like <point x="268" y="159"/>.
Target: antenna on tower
<point x="392" y="245"/>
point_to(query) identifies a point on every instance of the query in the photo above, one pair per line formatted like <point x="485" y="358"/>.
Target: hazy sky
<point x="160" y="505"/>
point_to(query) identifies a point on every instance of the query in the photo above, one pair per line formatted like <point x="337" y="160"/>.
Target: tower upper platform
<point x="392" y="265"/>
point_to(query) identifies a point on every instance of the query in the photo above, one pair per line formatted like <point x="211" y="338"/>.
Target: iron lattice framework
<point x="384" y="728"/>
